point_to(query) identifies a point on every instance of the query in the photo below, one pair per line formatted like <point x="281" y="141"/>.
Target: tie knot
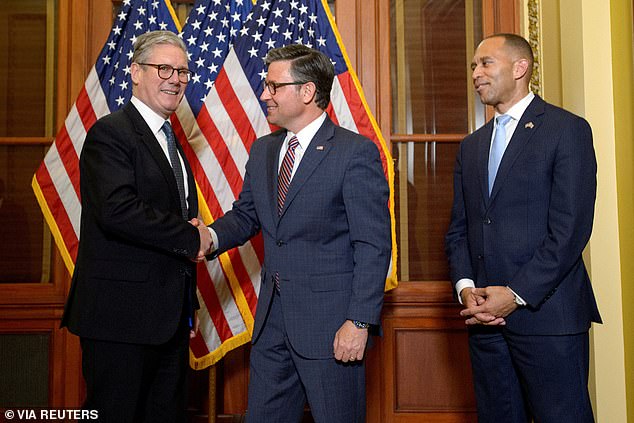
<point x="167" y="129"/>
<point x="293" y="143"/>
<point x="502" y="120"/>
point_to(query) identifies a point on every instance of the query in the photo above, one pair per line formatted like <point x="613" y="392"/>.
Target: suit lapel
<point x="152" y="144"/>
<point x="484" y="145"/>
<point x="528" y="124"/>
<point x="315" y="152"/>
<point x="272" y="162"/>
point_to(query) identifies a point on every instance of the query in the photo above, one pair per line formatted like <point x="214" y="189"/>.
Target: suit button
<point x="480" y="257"/>
<point x="279" y="243"/>
<point x="487" y="221"/>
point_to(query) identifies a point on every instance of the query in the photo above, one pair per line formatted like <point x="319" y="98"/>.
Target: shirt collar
<point x="153" y="120"/>
<point x="306" y="134"/>
<point x="518" y="109"/>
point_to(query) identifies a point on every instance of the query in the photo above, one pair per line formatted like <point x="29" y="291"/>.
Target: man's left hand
<point x="350" y="341"/>
<point x="499" y="302"/>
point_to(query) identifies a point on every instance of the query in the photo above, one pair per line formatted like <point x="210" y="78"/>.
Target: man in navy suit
<point x="319" y="195"/>
<point x="524" y="192"/>
<point x="133" y="293"/>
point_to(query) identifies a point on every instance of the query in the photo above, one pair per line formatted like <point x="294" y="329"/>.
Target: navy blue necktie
<point x="176" y="166"/>
<point x="497" y="148"/>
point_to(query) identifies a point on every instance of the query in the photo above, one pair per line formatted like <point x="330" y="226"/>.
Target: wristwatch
<point x="360" y="325"/>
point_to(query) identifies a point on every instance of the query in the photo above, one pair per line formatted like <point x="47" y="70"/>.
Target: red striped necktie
<point x="284" y="177"/>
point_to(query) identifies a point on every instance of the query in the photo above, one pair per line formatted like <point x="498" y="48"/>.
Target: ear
<point x="308" y="92"/>
<point x="135" y="69"/>
<point x="520" y="67"/>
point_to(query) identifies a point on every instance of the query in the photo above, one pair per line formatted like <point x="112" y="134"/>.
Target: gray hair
<point x="145" y="43"/>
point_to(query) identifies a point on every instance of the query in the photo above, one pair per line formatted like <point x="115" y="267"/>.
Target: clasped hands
<point x="487" y="306"/>
<point x="206" y="242"/>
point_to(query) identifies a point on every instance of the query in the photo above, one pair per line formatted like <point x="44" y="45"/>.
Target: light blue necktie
<point x="497" y="148"/>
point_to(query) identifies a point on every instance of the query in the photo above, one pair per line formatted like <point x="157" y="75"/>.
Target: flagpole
<point x="212" y="394"/>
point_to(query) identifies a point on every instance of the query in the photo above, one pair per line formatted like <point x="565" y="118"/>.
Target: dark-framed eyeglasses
<point x="273" y="86"/>
<point x="166" y="72"/>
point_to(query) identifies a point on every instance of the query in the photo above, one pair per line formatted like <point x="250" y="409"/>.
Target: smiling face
<point x="161" y="95"/>
<point x="498" y="75"/>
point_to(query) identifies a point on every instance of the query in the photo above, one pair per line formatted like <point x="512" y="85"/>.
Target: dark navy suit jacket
<point x="531" y="232"/>
<point x="331" y="245"/>
<point x="133" y="265"/>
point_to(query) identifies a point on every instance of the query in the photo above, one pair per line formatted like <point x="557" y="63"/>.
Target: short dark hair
<point x="307" y="64"/>
<point x="145" y="43"/>
<point x="518" y="45"/>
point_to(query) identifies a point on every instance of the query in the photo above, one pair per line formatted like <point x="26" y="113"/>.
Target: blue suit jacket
<point x="532" y="230"/>
<point x="331" y="245"/>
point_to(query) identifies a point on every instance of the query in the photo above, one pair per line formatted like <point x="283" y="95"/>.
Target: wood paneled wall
<point x="418" y="371"/>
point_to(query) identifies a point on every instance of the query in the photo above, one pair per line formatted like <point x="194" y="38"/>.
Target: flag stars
<point x="244" y="31"/>
<point x="201" y="9"/>
<point x="233" y="32"/>
<point x="225" y="23"/>
<point x="209" y="84"/>
<point x="122" y="16"/>
<point x="311" y="32"/>
<point x="300" y="25"/>
<point x="208" y="31"/>
<point x="112" y="45"/>
<point x="274" y="28"/>
<point x="261" y="21"/>
<point x="155" y="5"/>
<point x="112" y="81"/>
<point x="106" y="60"/>
<point x="270" y="44"/>
<point x="117" y="30"/>
<point x="196" y="78"/>
<point x="124" y="85"/>
<point x="287" y="34"/>
<point x="213" y="68"/>
<point x="120" y="100"/>
<point x="278" y="12"/>
<point x="204" y="47"/>
<point x="294" y="4"/>
<point x="303" y="10"/>
<point x="321" y="41"/>
<point x="163" y="26"/>
<point x="266" y="5"/>
<point x="200" y="62"/>
<point x="217" y="52"/>
<point x="253" y="52"/>
<point x="126" y="70"/>
<point x="290" y="20"/>
<point x="262" y="74"/>
<point x="191" y="40"/>
<point x="313" y="18"/>
<point x="236" y="17"/>
<point x="152" y="20"/>
<point x="138" y="25"/>
<point x="213" y="16"/>
<point x="126" y="2"/>
<point x="141" y="10"/>
<point x="257" y="37"/>
<point x="221" y="37"/>
<point x="196" y="25"/>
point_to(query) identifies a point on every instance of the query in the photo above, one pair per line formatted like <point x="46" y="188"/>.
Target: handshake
<point x="206" y="242"/>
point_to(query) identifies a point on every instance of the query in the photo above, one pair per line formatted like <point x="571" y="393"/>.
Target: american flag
<point x="107" y="88"/>
<point x="223" y="116"/>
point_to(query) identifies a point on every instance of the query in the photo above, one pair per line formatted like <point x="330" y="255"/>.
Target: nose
<point x="476" y="72"/>
<point x="266" y="94"/>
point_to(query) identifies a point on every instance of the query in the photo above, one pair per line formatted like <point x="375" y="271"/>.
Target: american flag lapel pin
<point x="529" y="125"/>
<point x="320" y="148"/>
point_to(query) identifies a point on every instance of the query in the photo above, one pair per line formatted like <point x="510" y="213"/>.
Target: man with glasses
<point x="132" y="298"/>
<point x="318" y="194"/>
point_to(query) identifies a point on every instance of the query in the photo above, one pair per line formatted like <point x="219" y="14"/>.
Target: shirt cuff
<point x="518" y="300"/>
<point x="462" y="284"/>
<point x="214" y="240"/>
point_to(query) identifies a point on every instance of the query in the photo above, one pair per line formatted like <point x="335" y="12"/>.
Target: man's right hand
<point x="205" y="239"/>
<point x="471" y="298"/>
